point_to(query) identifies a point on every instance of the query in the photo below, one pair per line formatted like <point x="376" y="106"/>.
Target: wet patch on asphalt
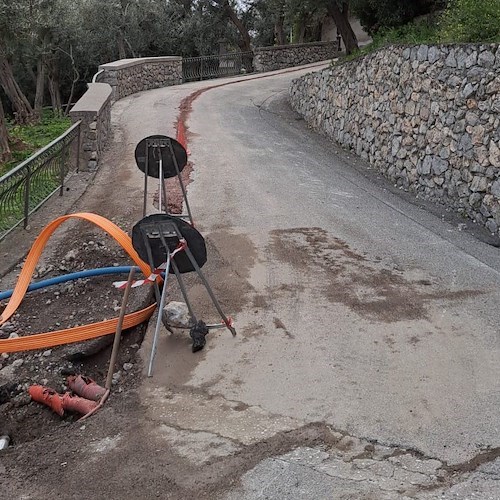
<point x="352" y="279"/>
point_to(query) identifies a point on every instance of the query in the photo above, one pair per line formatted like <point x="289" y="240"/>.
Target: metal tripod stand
<point x="162" y="157"/>
<point x="163" y="237"/>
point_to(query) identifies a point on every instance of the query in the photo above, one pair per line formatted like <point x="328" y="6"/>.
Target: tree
<point x="4" y="137"/>
<point x="23" y="112"/>
<point x="12" y="30"/>
<point x="245" y="42"/>
<point x="471" y="21"/>
<point x="339" y="11"/>
<point x="279" y="22"/>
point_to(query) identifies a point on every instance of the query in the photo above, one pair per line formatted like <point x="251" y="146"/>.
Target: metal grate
<point x="207" y="67"/>
<point x="35" y="180"/>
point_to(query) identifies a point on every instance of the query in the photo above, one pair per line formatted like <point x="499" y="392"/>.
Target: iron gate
<point x="207" y="67"/>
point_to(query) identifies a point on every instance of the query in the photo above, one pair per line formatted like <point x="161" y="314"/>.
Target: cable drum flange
<point x="194" y="241"/>
<point x="156" y="145"/>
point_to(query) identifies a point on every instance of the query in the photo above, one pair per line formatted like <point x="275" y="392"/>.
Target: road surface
<point x="366" y="363"/>
<point x="356" y="307"/>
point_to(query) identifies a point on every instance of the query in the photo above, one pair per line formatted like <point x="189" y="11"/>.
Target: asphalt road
<point x="358" y="307"/>
<point x="376" y="316"/>
<point x="366" y="360"/>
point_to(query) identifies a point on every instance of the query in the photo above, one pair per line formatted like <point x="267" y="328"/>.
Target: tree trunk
<point x="299" y="30"/>
<point x="76" y="77"/>
<point x="23" y="111"/>
<point x="279" y="33"/>
<point x="341" y="19"/>
<point x="4" y="137"/>
<point x="40" y="85"/>
<point x="122" y="54"/>
<point x="54" y="88"/>
<point x="245" y="42"/>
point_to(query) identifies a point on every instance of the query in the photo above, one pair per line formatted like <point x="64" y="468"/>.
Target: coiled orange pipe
<point x="78" y="333"/>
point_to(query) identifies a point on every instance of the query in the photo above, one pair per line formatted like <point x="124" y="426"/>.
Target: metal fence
<point x="35" y="180"/>
<point x="206" y="67"/>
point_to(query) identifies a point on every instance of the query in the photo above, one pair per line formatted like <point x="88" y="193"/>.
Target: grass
<point x="28" y="139"/>
<point x="424" y="31"/>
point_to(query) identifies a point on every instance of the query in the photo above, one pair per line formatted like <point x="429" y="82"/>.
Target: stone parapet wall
<point x="128" y="76"/>
<point x="286" y="56"/>
<point x="94" y="110"/>
<point x="427" y="117"/>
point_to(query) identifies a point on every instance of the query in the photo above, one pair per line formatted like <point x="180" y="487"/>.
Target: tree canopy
<point x="49" y="49"/>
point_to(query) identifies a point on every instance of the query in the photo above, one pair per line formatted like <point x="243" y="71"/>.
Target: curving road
<point x="366" y="363"/>
<point x="367" y="358"/>
<point x="357" y="307"/>
<point x="359" y="310"/>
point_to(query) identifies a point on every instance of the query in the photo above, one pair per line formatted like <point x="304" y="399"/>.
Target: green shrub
<point x="471" y="21"/>
<point x="420" y="31"/>
<point x="377" y="15"/>
<point x="423" y="31"/>
<point x="25" y="140"/>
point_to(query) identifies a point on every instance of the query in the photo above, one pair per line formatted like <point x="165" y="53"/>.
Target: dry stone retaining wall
<point x="128" y="76"/>
<point x="286" y="56"/>
<point x="426" y="116"/>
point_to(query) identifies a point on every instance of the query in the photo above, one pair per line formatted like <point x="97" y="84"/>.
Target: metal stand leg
<point x="179" y="278"/>
<point x="160" y="185"/>
<point x="178" y="275"/>
<point x="161" y="305"/>
<point x="152" y="266"/>
<point x="165" y="195"/>
<point x="210" y="292"/>
<point x="146" y="174"/>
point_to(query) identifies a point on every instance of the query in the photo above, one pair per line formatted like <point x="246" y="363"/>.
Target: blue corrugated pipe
<point x="72" y="276"/>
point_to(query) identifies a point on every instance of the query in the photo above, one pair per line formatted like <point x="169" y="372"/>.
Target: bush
<point x="422" y="31"/>
<point x="471" y="21"/>
<point x="376" y="15"/>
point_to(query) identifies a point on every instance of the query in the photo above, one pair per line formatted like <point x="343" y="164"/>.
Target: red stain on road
<point x="182" y="133"/>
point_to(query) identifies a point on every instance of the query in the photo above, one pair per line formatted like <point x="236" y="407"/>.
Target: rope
<point x="79" y="333"/>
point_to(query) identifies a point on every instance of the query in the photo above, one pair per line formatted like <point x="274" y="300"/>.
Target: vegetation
<point x="49" y="49"/>
<point x="471" y="21"/>
<point x="376" y="15"/>
<point x="27" y="139"/>
<point x="462" y="21"/>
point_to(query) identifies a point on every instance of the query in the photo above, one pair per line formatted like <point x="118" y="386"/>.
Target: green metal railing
<point x="26" y="187"/>
<point x="207" y="67"/>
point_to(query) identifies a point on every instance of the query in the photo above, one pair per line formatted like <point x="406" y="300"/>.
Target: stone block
<point x="486" y="59"/>
<point x="479" y="184"/>
<point x="494" y="154"/>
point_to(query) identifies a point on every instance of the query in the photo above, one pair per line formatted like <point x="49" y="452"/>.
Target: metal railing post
<point x="27" y="197"/>
<point x="61" y="169"/>
<point x="79" y="144"/>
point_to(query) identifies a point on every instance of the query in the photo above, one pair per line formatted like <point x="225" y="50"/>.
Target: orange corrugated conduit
<point x="79" y="333"/>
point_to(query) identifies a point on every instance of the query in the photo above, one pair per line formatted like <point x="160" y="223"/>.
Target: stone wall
<point x="426" y="116"/>
<point x="94" y="110"/>
<point x="286" y="56"/>
<point x="128" y="76"/>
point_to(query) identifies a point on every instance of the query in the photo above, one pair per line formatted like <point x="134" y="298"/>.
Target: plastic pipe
<point x="102" y="271"/>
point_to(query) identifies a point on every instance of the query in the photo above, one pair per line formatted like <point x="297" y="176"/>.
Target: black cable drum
<point x="166" y="155"/>
<point x="194" y="240"/>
